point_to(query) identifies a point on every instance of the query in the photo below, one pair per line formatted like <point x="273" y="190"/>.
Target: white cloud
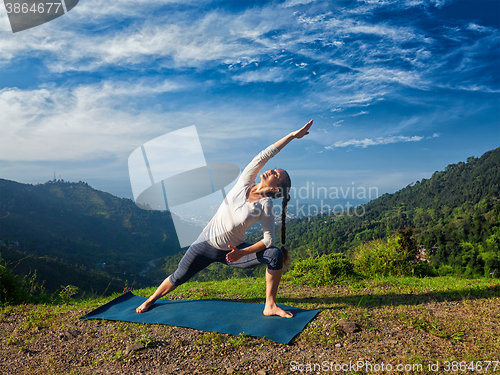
<point x="370" y="5"/>
<point x="478" y="28"/>
<point x="106" y="121"/>
<point x="379" y="57"/>
<point x="357" y="61"/>
<point x="292" y="3"/>
<point x="373" y="142"/>
<point x="178" y="38"/>
<point x="83" y="122"/>
<point x="94" y="11"/>
<point x="263" y="75"/>
<point x="360" y="113"/>
<point x="182" y="45"/>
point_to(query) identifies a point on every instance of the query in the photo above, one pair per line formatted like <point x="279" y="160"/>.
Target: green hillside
<point x="43" y="273"/>
<point x="454" y="215"/>
<point x="83" y="228"/>
<point x="456" y="212"/>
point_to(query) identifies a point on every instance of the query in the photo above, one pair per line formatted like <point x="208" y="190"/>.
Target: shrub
<point x="14" y="289"/>
<point x="382" y="258"/>
<point x="491" y="264"/>
<point x="423" y="269"/>
<point x="447" y="270"/>
<point x="67" y="292"/>
<point x="322" y="270"/>
<point x="11" y="286"/>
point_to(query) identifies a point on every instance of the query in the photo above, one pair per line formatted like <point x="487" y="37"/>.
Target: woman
<point x="222" y="240"/>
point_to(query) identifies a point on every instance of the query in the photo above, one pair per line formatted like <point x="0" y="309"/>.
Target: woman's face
<point x="273" y="177"/>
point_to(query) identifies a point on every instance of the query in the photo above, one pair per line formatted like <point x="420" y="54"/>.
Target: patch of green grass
<point x="37" y="318"/>
<point x="118" y="355"/>
<point x="250" y="289"/>
<point x="240" y="340"/>
<point x="365" y="293"/>
<point x="11" y="340"/>
<point x="321" y="270"/>
<point x="214" y="339"/>
<point x="146" y="339"/>
<point x="437" y="329"/>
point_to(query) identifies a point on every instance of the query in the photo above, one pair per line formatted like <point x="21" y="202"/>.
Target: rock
<point x="230" y="370"/>
<point x="132" y="348"/>
<point x="74" y="332"/>
<point x="338" y="345"/>
<point x="262" y="372"/>
<point x="349" y="327"/>
<point x="69" y="334"/>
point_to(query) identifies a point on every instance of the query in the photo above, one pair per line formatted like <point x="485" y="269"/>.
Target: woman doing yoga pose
<point x="222" y="240"/>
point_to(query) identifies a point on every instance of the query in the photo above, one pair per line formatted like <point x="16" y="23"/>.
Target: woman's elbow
<point x="268" y="241"/>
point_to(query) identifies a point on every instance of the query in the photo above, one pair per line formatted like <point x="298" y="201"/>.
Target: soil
<point x="428" y="332"/>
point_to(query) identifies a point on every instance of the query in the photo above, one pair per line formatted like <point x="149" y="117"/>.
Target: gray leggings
<point x="201" y="254"/>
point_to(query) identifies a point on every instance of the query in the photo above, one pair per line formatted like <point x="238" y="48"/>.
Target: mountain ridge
<point x="83" y="226"/>
<point x="456" y="210"/>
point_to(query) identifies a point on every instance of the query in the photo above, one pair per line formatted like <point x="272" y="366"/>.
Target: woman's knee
<point x="276" y="258"/>
<point x="177" y="280"/>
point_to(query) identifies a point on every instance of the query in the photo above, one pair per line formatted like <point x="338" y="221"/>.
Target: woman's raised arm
<point x="293" y="135"/>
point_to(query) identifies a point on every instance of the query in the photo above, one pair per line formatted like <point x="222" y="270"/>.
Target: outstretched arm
<point x="293" y="135"/>
<point x="250" y="172"/>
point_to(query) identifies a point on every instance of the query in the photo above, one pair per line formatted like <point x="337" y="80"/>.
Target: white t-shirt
<point x="236" y="215"/>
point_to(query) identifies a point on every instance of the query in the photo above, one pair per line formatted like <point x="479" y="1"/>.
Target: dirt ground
<point x="424" y="336"/>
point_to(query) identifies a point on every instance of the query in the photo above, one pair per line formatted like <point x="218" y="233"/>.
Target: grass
<point x="250" y="289"/>
<point x="402" y="319"/>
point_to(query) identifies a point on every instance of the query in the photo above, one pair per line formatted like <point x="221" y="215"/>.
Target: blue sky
<point x="397" y="88"/>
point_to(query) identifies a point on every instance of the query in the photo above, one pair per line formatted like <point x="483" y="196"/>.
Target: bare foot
<point x="145" y="306"/>
<point x="275" y="310"/>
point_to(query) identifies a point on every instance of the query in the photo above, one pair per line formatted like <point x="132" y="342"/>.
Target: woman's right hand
<point x="235" y="254"/>
<point x="303" y="131"/>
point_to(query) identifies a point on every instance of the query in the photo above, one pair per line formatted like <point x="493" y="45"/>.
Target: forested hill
<point x="457" y="184"/>
<point x="78" y="225"/>
<point x="456" y="210"/>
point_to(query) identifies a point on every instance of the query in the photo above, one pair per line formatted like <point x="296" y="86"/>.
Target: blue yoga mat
<point x="208" y="315"/>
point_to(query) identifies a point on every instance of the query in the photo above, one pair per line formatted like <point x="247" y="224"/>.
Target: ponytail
<point x="286" y="256"/>
<point x="283" y="192"/>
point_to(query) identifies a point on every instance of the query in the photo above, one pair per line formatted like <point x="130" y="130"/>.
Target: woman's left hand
<point x="302" y="131"/>
<point x="235" y="254"/>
